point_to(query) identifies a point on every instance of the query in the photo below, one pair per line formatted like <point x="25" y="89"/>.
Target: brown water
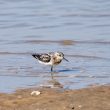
<point x="80" y="29"/>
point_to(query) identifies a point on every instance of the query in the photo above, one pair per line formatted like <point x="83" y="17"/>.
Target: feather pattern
<point x="42" y="57"/>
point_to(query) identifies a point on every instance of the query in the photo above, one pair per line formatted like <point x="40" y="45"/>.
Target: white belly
<point x="45" y="63"/>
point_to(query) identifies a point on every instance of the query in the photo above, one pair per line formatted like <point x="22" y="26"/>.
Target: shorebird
<point x="52" y="59"/>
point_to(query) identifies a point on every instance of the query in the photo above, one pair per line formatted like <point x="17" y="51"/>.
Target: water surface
<point x="80" y="29"/>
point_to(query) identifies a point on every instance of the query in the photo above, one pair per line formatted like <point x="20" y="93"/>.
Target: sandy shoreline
<point x="93" y="98"/>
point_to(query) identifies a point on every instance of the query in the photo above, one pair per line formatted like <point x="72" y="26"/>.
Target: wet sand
<point x="92" y="98"/>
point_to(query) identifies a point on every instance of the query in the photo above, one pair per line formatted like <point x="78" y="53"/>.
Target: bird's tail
<point x="35" y="56"/>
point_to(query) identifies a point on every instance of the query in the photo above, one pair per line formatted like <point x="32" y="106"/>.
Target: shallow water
<point x="80" y="29"/>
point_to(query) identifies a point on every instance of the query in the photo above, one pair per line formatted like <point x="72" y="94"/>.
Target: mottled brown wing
<point x="42" y="57"/>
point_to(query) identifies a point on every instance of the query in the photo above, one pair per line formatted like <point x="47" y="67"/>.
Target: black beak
<point x="65" y="59"/>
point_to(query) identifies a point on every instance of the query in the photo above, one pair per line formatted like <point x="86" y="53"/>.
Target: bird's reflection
<point x="55" y="82"/>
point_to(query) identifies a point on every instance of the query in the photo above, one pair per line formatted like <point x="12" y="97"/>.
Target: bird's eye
<point x="59" y="55"/>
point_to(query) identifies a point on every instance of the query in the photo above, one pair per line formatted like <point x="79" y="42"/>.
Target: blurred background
<point x="79" y="29"/>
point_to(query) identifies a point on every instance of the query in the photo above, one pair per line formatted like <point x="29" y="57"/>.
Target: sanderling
<point x="52" y="59"/>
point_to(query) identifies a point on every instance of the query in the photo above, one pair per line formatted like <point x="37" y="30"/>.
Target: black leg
<point x="52" y="72"/>
<point x="51" y="68"/>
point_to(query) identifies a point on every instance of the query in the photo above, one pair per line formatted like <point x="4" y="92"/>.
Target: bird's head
<point x="60" y="56"/>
